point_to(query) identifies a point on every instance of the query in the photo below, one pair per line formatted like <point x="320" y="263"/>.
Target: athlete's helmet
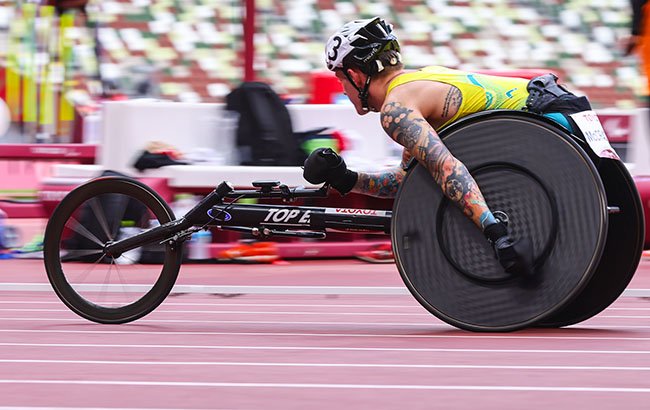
<point x="359" y="43"/>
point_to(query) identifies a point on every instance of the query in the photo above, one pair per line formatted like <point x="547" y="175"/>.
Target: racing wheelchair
<point x="580" y="209"/>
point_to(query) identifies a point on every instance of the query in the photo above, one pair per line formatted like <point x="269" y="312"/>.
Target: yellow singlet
<point x="480" y="92"/>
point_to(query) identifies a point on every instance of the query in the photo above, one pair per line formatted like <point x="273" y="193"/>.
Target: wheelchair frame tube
<point x="158" y="233"/>
<point x="281" y="217"/>
<point x="301" y="218"/>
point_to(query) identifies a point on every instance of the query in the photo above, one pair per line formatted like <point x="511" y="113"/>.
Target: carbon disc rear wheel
<point x="552" y="194"/>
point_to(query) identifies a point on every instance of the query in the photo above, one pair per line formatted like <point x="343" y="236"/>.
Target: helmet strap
<point x="363" y="93"/>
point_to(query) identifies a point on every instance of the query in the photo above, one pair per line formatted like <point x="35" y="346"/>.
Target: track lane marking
<point x="256" y="289"/>
<point x="353" y="365"/>
<point x="222" y="303"/>
<point x="225" y="303"/>
<point x="243" y="312"/>
<point x="472" y="336"/>
<point x="74" y="318"/>
<point x="327" y="348"/>
<point x="335" y="386"/>
<point x="293" y="313"/>
<point x="435" y="322"/>
<point x="97" y="408"/>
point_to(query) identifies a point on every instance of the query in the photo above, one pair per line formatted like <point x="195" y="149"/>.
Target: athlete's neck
<point x="379" y="88"/>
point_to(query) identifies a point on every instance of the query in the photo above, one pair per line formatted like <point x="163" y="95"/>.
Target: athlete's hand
<point x="325" y="165"/>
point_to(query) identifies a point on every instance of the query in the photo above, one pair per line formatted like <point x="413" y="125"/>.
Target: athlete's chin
<point x="361" y="111"/>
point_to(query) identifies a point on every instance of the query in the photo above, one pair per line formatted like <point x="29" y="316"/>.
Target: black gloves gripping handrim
<point x="325" y="165"/>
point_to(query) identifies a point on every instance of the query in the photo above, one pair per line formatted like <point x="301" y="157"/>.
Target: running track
<point x="339" y="349"/>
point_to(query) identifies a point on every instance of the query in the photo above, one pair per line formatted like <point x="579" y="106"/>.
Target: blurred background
<point x="59" y="65"/>
<point x="166" y="68"/>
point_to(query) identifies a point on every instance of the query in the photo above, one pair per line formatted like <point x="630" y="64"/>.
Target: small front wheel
<point x="93" y="284"/>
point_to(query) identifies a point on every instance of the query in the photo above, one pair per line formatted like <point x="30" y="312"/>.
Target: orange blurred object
<point x="382" y="253"/>
<point x="256" y="252"/>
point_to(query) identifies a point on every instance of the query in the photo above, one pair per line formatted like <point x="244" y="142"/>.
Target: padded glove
<point x="516" y="257"/>
<point x="325" y="165"/>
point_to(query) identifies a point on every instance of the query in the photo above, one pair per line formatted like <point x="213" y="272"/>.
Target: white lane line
<point x="291" y="313"/>
<point x="217" y="289"/>
<point x="589" y="389"/>
<point x="472" y="336"/>
<point x="361" y="365"/>
<point x="241" y="312"/>
<point x="247" y="289"/>
<point x="246" y="322"/>
<point x="327" y="348"/>
<point x="435" y="322"/>
<point x="96" y="408"/>
<point x="223" y="303"/>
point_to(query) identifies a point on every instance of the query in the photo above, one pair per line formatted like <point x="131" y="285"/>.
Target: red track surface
<point x="310" y="351"/>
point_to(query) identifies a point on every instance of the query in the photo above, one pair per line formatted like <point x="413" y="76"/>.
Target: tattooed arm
<point x="383" y="184"/>
<point x="407" y="126"/>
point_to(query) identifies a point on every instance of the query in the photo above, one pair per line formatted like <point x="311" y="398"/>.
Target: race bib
<point x="594" y="133"/>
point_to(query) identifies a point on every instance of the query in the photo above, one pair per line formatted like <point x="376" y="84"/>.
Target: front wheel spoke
<point x="123" y="283"/>
<point x="77" y="253"/>
<point x="107" y="281"/>
<point x="120" y="210"/>
<point x="101" y="217"/>
<point x="81" y="230"/>
<point x="91" y="268"/>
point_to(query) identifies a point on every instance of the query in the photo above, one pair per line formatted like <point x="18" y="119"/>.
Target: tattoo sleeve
<point x="382" y="184"/>
<point x="415" y="134"/>
<point x="452" y="102"/>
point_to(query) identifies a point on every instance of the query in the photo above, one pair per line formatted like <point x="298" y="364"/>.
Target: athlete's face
<point x="349" y="90"/>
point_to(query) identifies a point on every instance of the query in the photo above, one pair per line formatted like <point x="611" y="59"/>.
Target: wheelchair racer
<point x="413" y="105"/>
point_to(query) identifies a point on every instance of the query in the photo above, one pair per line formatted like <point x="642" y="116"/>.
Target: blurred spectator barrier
<point x="128" y="126"/>
<point x="38" y="73"/>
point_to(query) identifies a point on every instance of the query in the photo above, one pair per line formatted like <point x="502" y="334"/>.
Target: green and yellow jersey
<point x="480" y="92"/>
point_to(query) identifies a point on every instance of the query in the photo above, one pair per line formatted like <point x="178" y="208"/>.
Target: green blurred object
<point x="311" y="144"/>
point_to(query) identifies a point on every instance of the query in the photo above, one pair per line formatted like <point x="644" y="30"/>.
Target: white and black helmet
<point x="359" y="43"/>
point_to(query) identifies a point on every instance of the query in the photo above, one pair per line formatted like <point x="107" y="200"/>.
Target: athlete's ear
<point x="357" y="76"/>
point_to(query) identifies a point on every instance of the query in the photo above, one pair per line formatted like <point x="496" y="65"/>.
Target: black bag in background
<point x="265" y="136"/>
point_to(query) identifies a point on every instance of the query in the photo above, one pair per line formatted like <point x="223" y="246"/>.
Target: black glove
<point x="325" y="165"/>
<point x="516" y="257"/>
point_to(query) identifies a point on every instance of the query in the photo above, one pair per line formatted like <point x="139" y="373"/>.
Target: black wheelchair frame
<point x="261" y="221"/>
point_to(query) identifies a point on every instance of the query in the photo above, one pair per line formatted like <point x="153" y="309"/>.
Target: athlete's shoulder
<point x="426" y="98"/>
<point x="424" y="73"/>
<point x="416" y="79"/>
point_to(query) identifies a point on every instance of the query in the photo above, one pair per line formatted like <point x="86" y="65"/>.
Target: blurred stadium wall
<point x="192" y="50"/>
